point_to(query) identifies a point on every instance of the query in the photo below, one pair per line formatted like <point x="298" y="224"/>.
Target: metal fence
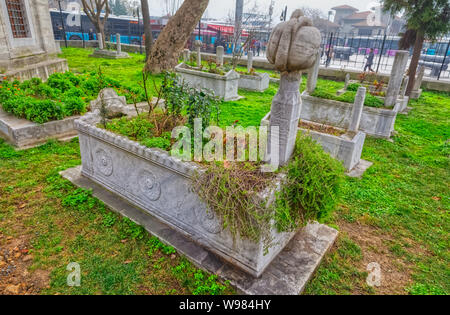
<point x="347" y="51"/>
<point x="339" y="50"/>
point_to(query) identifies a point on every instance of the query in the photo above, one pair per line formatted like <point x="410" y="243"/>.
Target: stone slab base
<point x="415" y="94"/>
<point x="359" y="170"/>
<point x="38" y="70"/>
<point x="288" y="274"/>
<point x="406" y="111"/>
<point x="109" y="54"/>
<point x="24" y="134"/>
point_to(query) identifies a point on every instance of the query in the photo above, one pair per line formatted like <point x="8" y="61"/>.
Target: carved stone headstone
<point x="249" y="61"/>
<point x="395" y="81"/>
<point x="198" y="45"/>
<point x="186" y="55"/>
<point x="358" y="107"/>
<point x="100" y="41"/>
<point x="313" y="74"/>
<point x="419" y="78"/>
<point x="118" y="44"/>
<point x="404" y="86"/>
<point x="293" y="47"/>
<point x="417" y="91"/>
<point x="219" y="55"/>
<point x="347" y="80"/>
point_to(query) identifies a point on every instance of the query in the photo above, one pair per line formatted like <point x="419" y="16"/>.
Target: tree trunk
<point x="147" y="28"/>
<point x="415" y="61"/>
<point x="165" y="52"/>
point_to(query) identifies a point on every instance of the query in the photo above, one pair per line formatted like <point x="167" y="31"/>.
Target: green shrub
<point x="175" y="93"/>
<point x="74" y="106"/>
<point x="202" y="104"/>
<point x="311" y="188"/>
<point x="137" y="128"/>
<point x="36" y="110"/>
<point x="60" y="81"/>
<point x="373" y="101"/>
<point x="348" y="97"/>
<point x="157" y="142"/>
<point x="353" y="87"/>
<point x="42" y="111"/>
<point x="64" y="94"/>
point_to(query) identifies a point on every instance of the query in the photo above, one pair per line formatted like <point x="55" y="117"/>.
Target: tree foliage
<point x="118" y="7"/>
<point x="94" y="10"/>
<point x="427" y="19"/>
<point x="430" y="17"/>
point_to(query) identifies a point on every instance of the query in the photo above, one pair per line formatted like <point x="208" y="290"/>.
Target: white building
<point x="27" y="45"/>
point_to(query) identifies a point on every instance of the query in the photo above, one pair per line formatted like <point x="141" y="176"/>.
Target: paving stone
<point x="288" y="274"/>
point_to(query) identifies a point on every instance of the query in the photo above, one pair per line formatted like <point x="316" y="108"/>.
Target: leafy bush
<point x="64" y="94"/>
<point x="39" y="111"/>
<point x="311" y="188"/>
<point x="353" y="87"/>
<point x="309" y="191"/>
<point x="373" y="101"/>
<point x="157" y="142"/>
<point x="137" y="128"/>
<point x="175" y="93"/>
<point x="74" y="106"/>
<point x="348" y="97"/>
<point x="202" y="105"/>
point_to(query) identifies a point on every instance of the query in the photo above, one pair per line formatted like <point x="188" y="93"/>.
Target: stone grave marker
<point x="395" y="81"/>
<point x="198" y="45"/>
<point x="293" y="47"/>
<point x="219" y="55"/>
<point x="249" y="61"/>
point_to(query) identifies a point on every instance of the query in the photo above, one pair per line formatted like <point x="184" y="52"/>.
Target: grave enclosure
<point x="101" y="52"/>
<point x="377" y="122"/>
<point x="158" y="189"/>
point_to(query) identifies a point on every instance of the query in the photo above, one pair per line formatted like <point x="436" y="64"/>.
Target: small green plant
<point x="353" y="87"/>
<point x="63" y="95"/>
<point x="129" y="229"/>
<point x="80" y="199"/>
<point x="198" y="281"/>
<point x="155" y="244"/>
<point x="311" y="189"/>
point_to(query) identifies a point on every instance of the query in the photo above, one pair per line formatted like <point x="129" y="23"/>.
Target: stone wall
<point x="377" y="122"/>
<point x="324" y="73"/>
<point x="223" y="86"/>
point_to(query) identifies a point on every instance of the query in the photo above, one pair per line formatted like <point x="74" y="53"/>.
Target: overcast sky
<point x="221" y="8"/>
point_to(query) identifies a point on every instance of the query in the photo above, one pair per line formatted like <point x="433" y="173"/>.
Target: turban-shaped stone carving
<point x="293" y="45"/>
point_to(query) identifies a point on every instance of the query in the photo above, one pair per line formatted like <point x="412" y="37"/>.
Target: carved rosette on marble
<point x="149" y="185"/>
<point x="103" y="162"/>
<point x="208" y="220"/>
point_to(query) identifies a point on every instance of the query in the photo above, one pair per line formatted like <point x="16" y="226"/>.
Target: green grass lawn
<point x="396" y="215"/>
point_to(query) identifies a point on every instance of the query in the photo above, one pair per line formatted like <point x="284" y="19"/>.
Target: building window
<point x="17" y="18"/>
